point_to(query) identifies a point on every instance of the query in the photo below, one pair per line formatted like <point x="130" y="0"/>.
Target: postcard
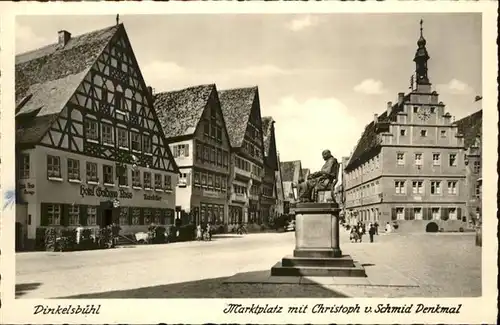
<point x="237" y="162"/>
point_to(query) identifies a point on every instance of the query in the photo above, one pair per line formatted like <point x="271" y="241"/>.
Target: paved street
<point x="442" y="265"/>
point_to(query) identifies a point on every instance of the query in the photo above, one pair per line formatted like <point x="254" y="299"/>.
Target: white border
<point x="474" y="310"/>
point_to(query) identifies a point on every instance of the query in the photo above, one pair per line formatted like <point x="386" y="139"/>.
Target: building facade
<point x="269" y="200"/>
<point x="194" y="125"/>
<point x="471" y="129"/>
<point x="241" y="110"/>
<point x="280" y="196"/>
<point x="291" y="173"/>
<point x="408" y="167"/>
<point x="89" y="148"/>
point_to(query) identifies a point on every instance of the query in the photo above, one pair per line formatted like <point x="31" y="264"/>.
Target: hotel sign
<point x="104" y="192"/>
<point x="27" y="188"/>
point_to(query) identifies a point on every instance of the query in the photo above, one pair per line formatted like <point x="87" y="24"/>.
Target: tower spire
<point x="421" y="58"/>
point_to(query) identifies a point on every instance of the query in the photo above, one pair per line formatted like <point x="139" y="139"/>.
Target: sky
<point x="321" y="77"/>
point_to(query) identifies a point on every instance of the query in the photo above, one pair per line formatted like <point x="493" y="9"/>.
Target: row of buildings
<point x="96" y="146"/>
<point x="414" y="166"/>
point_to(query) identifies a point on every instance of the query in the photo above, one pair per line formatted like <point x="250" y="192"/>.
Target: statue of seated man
<point x="323" y="180"/>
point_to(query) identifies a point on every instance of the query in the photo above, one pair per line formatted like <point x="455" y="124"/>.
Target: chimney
<point x="151" y="92"/>
<point x="389" y="108"/>
<point x="64" y="37"/>
<point x="375" y="118"/>
<point x="401" y="97"/>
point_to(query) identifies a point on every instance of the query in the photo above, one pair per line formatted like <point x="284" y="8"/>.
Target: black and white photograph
<point x="246" y="155"/>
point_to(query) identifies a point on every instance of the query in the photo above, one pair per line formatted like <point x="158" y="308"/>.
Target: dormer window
<point x="423" y="133"/>
<point x="403" y="132"/>
<point x="415" y="109"/>
<point x="433" y="110"/>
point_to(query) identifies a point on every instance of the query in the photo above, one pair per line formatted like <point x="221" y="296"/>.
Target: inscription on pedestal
<point x="313" y="231"/>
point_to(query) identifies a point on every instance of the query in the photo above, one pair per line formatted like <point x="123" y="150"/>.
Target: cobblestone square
<point x="440" y="265"/>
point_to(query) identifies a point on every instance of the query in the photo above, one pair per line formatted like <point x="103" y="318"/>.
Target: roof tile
<point x="267" y="127"/>
<point x="236" y="107"/>
<point x="471" y="127"/>
<point x="290" y="170"/>
<point x="180" y="111"/>
<point x="50" y="75"/>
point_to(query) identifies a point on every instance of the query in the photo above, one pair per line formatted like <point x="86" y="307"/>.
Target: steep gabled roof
<point x="290" y="170"/>
<point x="46" y="78"/>
<point x="180" y="111"/>
<point x="267" y="127"/>
<point x="369" y="139"/>
<point x="471" y="127"/>
<point x="236" y="107"/>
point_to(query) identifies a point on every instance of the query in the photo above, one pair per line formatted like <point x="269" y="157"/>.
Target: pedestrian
<point x="376" y="228"/>
<point x="361" y="230"/>
<point x="198" y="232"/>
<point x="371" y="231"/>
<point x="388" y="227"/>
<point x="209" y="231"/>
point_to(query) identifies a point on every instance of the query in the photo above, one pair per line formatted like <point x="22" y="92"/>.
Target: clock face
<point x="424" y="113"/>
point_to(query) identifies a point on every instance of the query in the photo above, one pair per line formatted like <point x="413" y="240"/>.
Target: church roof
<point x="471" y="127"/>
<point x="180" y="111"/>
<point x="236" y="107"/>
<point x="46" y="78"/>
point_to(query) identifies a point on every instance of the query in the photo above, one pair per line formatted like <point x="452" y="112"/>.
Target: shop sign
<point x="152" y="197"/>
<point x="211" y="194"/>
<point x="28" y="188"/>
<point x="104" y="192"/>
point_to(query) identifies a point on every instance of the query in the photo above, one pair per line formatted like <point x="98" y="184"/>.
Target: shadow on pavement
<point x="216" y="237"/>
<point x="217" y="288"/>
<point x="21" y="289"/>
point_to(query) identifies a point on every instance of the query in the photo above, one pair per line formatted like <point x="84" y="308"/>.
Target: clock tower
<point x="421" y="58"/>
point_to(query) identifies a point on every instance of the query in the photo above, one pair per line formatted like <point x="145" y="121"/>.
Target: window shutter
<point x="444" y="214"/>
<point x="459" y="214"/>
<point x="407" y="213"/>
<point x="141" y="216"/>
<point x="186" y="150"/>
<point x="99" y="216"/>
<point x="83" y="215"/>
<point x="64" y="214"/>
<point x="44" y="217"/>
<point x="393" y="214"/>
<point x="425" y="214"/>
<point x="129" y="218"/>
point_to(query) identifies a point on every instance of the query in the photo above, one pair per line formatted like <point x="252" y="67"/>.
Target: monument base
<point x="317" y="251"/>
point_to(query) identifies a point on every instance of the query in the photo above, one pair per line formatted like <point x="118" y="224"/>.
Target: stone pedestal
<point x="317" y="245"/>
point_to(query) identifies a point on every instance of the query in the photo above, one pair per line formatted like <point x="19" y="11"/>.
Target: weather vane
<point x="421" y="27"/>
<point x="117" y="19"/>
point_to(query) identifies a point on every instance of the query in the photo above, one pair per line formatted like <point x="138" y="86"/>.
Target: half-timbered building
<point x="269" y="199"/>
<point x="241" y="109"/>
<point x="193" y="123"/>
<point x="89" y="147"/>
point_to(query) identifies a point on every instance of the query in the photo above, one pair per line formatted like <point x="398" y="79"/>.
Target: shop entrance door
<point x="107" y="217"/>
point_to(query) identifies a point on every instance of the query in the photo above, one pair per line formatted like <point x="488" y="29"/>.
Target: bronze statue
<point x="323" y="180"/>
